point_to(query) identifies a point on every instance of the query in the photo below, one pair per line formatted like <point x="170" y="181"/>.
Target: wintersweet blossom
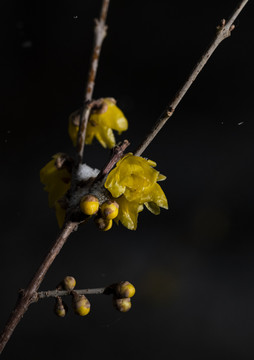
<point x="104" y="118"/>
<point x="133" y="184"/>
<point x="56" y="180"/>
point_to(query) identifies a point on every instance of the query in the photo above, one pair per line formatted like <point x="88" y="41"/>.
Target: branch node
<point x="232" y="27"/>
<point x="170" y="111"/>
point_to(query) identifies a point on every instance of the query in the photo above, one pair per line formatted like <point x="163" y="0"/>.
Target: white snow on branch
<point x="85" y="172"/>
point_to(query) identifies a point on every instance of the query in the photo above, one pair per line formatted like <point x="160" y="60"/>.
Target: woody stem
<point x="100" y="31"/>
<point x="223" y="31"/>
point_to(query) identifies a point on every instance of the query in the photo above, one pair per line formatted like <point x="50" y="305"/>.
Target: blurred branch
<point x="223" y="31"/>
<point x="100" y="31"/>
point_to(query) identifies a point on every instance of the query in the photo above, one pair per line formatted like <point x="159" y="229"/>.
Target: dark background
<point x="193" y="265"/>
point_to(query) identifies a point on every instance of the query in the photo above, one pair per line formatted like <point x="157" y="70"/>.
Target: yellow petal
<point x="128" y="213"/>
<point x="131" y="176"/>
<point x="113" y="117"/>
<point x="161" y="177"/>
<point x="155" y="194"/>
<point x="56" y="181"/>
<point x="101" y="124"/>
<point x="103" y="134"/>
<point x="154" y="208"/>
<point x="151" y="163"/>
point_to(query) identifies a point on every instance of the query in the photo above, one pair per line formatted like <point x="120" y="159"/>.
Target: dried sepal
<point x="103" y="224"/>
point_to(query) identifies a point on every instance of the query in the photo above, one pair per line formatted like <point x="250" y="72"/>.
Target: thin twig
<point x="223" y="32"/>
<point x="27" y="295"/>
<point x="55" y="293"/>
<point x="117" y="154"/>
<point x="100" y="31"/>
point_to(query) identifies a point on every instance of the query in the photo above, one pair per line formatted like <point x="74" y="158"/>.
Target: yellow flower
<point x="133" y="182"/>
<point x="56" y="180"/>
<point x="104" y="118"/>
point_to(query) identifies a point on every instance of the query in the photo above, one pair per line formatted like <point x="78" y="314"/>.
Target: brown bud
<point x="103" y="224"/>
<point x="69" y="283"/>
<point x="60" y="308"/>
<point x="122" y="305"/>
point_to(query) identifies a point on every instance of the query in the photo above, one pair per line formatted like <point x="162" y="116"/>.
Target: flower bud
<point x="60" y="308"/>
<point x="80" y="304"/>
<point x="89" y="204"/>
<point x="109" y="209"/>
<point x="69" y="283"/>
<point x="122" y="305"/>
<point x="103" y="224"/>
<point x="125" y="290"/>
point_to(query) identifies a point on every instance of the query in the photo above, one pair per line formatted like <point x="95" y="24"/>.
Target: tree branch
<point x="117" y="154"/>
<point x="55" y="293"/>
<point x="100" y="31"/>
<point x="223" y="32"/>
<point x="27" y="295"/>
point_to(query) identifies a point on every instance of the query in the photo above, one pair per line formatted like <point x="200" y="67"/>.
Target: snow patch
<point x="85" y="172"/>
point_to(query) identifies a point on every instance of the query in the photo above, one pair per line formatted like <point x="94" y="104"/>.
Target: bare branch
<point x="117" y="153"/>
<point x="56" y="293"/>
<point x="223" y="31"/>
<point x="27" y="295"/>
<point x="100" y="31"/>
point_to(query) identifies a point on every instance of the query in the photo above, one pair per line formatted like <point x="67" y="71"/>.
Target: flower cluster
<point x="133" y="184"/>
<point x="104" y="118"/>
<point x="129" y="187"/>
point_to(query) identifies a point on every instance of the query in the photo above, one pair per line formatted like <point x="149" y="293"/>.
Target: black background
<point x="193" y="265"/>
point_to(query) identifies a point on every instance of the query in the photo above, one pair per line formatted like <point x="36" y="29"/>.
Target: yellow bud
<point x="60" y="309"/>
<point x="81" y="304"/>
<point x="89" y="204"/>
<point x="104" y="224"/>
<point x="125" y="290"/>
<point x="122" y="305"/>
<point x="109" y="209"/>
<point x="69" y="283"/>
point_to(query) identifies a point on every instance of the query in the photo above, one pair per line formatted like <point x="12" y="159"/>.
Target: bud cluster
<point x="123" y="292"/>
<point x="80" y="303"/>
<point x="105" y="212"/>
